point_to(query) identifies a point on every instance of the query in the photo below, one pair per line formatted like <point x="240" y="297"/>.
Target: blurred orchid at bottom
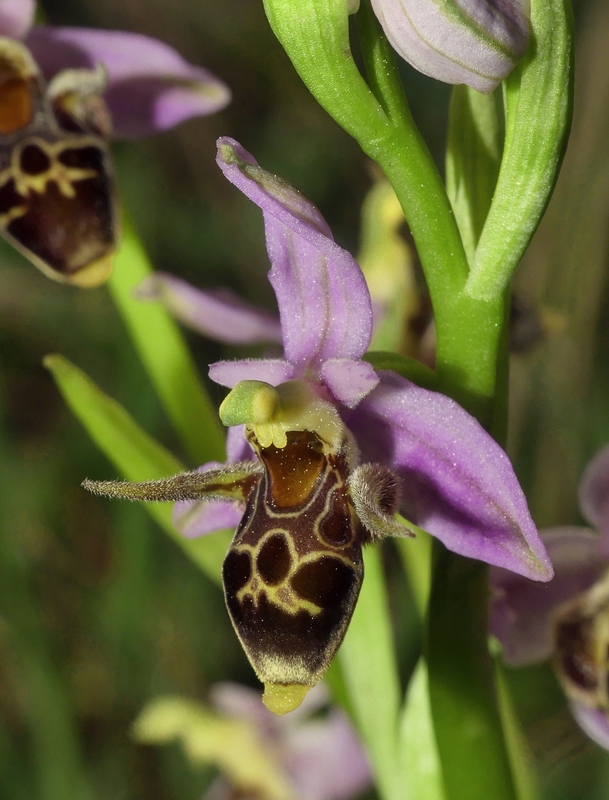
<point x="568" y="620"/>
<point x="323" y="451"/>
<point x="63" y="93"/>
<point x="259" y="755"/>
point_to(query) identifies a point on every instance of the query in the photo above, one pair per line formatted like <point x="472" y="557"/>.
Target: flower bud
<point x="476" y="42"/>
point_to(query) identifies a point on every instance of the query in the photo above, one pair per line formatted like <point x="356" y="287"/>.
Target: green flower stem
<point x="467" y="723"/>
<point x="166" y="357"/>
<point x="315" y="36"/>
<point x="471" y="343"/>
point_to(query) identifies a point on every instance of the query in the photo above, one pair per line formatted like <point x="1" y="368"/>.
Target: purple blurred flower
<point x="454" y="480"/>
<point x="150" y="87"/>
<point x="567" y="619"/>
<point x="476" y="42"/>
<point x="322" y="757"/>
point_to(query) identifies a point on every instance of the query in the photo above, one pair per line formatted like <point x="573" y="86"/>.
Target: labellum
<point x="581" y="646"/>
<point x="294" y="569"/>
<point x="57" y="203"/>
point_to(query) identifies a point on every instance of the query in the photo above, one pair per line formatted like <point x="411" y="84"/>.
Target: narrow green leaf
<point x="416" y="557"/>
<point x="166" y="357"/>
<point x="521" y="758"/>
<point x="418" y="749"/>
<point x="538" y="101"/>
<point x="135" y="454"/>
<point x="370" y="671"/>
<point x="473" y="155"/>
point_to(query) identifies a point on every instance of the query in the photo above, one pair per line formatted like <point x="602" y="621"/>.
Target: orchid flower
<point x="295" y="758"/>
<point x="323" y="451"/>
<point x="63" y="93"/>
<point x="476" y="42"/>
<point x="567" y="621"/>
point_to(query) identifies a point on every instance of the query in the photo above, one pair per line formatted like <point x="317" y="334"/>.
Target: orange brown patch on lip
<point x="293" y="470"/>
<point x="15" y="105"/>
<point x="294" y="569"/>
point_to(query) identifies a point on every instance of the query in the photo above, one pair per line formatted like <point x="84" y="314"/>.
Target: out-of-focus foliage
<point x="99" y="611"/>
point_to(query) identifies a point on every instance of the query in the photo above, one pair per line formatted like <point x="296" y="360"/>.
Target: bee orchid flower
<point x="64" y="92"/>
<point x="323" y="451"/>
<point x="567" y="621"/>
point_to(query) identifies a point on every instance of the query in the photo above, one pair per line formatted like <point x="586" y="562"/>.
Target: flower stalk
<point x="468" y="292"/>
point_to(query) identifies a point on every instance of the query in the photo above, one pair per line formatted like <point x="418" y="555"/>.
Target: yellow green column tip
<point x="249" y="403"/>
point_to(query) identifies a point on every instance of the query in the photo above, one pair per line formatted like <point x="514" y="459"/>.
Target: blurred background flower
<point x="568" y="622"/>
<point x="308" y="755"/>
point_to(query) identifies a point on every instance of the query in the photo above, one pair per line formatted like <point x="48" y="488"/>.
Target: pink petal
<point x="326" y="760"/>
<point x="16" y="17"/>
<point x="457" y="482"/>
<point x="323" y="299"/>
<point x="150" y="86"/>
<point x="194" y="518"/>
<point x="237" y="446"/>
<point x="521" y="610"/>
<point x="230" y="373"/>
<point x="219" y="314"/>
<point x="349" y="381"/>
<point x="593" y="722"/>
<point x="594" y="496"/>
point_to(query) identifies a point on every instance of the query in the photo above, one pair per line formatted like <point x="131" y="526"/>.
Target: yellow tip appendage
<point x="281" y="698"/>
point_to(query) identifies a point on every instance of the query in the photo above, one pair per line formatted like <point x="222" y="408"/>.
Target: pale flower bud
<point x="477" y="42"/>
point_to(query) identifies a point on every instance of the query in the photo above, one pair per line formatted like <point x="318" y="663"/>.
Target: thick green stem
<point x="467" y="723"/>
<point x="316" y="38"/>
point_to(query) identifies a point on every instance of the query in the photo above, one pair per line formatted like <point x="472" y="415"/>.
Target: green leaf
<point x="419" y="753"/>
<point x="408" y="368"/>
<point x="165" y="356"/>
<point x="538" y="104"/>
<point x="135" y="454"/>
<point x="416" y="557"/>
<point x="473" y="155"/>
<point x="521" y="758"/>
<point x="369" y="667"/>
